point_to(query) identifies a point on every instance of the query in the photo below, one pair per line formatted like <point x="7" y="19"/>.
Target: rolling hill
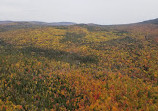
<point x="68" y="67"/>
<point x="153" y="21"/>
<point x="40" y="23"/>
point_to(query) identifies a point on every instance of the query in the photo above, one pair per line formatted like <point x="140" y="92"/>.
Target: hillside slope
<point x="153" y="21"/>
<point x="79" y="67"/>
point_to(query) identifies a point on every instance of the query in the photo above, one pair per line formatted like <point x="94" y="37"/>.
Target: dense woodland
<point x="79" y="67"/>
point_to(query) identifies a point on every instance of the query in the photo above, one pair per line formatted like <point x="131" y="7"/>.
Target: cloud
<point x="96" y="11"/>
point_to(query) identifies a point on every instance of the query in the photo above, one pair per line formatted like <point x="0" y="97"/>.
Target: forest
<point x="78" y="67"/>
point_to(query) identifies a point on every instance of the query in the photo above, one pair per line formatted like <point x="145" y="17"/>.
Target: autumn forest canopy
<point x="78" y="67"/>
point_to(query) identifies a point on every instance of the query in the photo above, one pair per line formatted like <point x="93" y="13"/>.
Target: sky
<point x="103" y="12"/>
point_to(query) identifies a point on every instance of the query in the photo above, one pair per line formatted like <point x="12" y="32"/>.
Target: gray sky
<point x="80" y="11"/>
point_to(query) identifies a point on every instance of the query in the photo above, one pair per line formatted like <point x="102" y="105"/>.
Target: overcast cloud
<point x="80" y="11"/>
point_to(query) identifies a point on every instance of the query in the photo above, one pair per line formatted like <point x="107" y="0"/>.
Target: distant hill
<point x="153" y="21"/>
<point x="61" y="23"/>
<point x="40" y="23"/>
<point x="5" y="22"/>
<point x="53" y="23"/>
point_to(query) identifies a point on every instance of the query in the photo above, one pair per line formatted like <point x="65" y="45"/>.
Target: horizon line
<point x="73" y="22"/>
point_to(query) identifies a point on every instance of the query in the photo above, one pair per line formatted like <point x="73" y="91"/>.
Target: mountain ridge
<point x="151" y="21"/>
